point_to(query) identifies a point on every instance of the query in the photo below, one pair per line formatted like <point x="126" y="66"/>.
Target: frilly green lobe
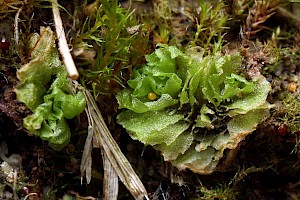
<point x="35" y="75"/>
<point x="51" y="103"/>
<point x="144" y="126"/>
<point x="205" y="91"/>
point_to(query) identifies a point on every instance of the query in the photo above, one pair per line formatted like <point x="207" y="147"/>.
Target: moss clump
<point x="291" y="110"/>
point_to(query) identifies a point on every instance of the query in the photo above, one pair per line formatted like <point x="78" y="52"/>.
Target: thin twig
<point x="62" y="43"/>
<point x="16" y="28"/>
<point x="285" y="13"/>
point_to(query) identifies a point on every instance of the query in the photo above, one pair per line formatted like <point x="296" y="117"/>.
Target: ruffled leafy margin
<point x="187" y="85"/>
<point x="51" y="101"/>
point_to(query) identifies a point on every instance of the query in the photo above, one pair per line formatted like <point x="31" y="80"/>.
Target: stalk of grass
<point x="211" y="24"/>
<point x="110" y="182"/>
<point x="110" y="150"/>
<point x="62" y="43"/>
<point x="105" y="31"/>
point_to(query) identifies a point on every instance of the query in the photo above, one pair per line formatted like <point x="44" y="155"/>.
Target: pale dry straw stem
<point x="16" y="29"/>
<point x="62" y="43"/>
<point x="112" y="153"/>
<point x="110" y="179"/>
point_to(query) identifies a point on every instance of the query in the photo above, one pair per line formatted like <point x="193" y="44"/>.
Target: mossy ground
<point x="267" y="35"/>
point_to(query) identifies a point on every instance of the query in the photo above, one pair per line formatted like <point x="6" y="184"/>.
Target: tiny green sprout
<point x="211" y="23"/>
<point x="112" y="32"/>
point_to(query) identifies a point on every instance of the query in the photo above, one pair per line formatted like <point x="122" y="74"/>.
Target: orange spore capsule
<point x="292" y="87"/>
<point x="152" y="96"/>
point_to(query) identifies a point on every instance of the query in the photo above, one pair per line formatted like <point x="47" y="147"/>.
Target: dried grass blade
<point x="110" y="180"/>
<point x="86" y="160"/>
<point x="111" y="149"/>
